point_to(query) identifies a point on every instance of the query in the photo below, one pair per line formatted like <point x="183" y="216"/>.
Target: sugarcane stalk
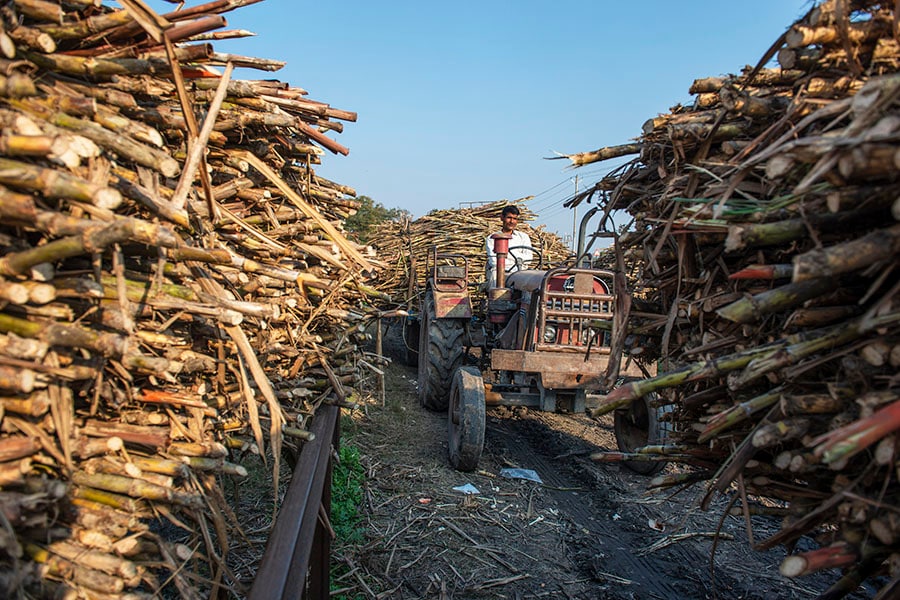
<point x="40" y="10"/>
<point x="112" y="522"/>
<point x="70" y="571"/>
<point x="40" y="293"/>
<point x="778" y="271"/>
<point x="830" y="337"/>
<point x="624" y="394"/>
<point x="56" y="184"/>
<point x="748" y="310"/>
<point x="17" y="85"/>
<point x="162" y="466"/>
<point x="849" y="440"/>
<point x="33" y="38"/>
<point x="110" y="466"/>
<point x="120" y="144"/>
<point x="21" y="352"/>
<point x="687" y="132"/>
<point x="13" y="292"/>
<point x="136" y="488"/>
<point x="820" y="315"/>
<point x="135" y="291"/>
<point x="752" y="106"/>
<point x="781" y="233"/>
<point x="610" y="456"/>
<point x="159" y="207"/>
<point x="837" y="555"/>
<point x="17" y="447"/>
<point x="249" y="62"/>
<point x="156" y="437"/>
<point x="609" y="152"/>
<point x="799" y="36"/>
<point x="219" y="465"/>
<point x="96" y="67"/>
<point x="12" y="473"/>
<point x="230" y="34"/>
<point x="12" y="144"/>
<point x="35" y="405"/>
<point x="92" y="239"/>
<point x="139" y="131"/>
<point x="99" y="561"/>
<point x="66" y="335"/>
<point x="769" y="434"/>
<point x="737" y="414"/>
<point x="205" y="449"/>
<point x="672" y="479"/>
<point x="298" y="433"/>
<point x="811" y="404"/>
<point x="20" y="208"/>
<point x="847" y="257"/>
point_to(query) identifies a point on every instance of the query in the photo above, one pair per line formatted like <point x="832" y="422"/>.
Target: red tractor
<point x="540" y="339"/>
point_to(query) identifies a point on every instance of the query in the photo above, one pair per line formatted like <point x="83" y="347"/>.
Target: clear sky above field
<point x="461" y="102"/>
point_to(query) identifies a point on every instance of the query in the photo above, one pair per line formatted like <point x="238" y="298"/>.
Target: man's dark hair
<point x="509" y="210"/>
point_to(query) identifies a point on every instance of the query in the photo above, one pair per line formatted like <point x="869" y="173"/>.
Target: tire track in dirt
<point x="609" y="526"/>
<point x="600" y="543"/>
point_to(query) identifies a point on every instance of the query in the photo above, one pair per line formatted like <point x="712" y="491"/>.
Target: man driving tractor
<point x="520" y="254"/>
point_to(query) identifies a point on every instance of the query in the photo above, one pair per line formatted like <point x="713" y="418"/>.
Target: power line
<point x="557" y="195"/>
<point x="551" y="188"/>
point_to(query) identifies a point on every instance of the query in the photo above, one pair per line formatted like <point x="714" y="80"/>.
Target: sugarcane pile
<point x="404" y="246"/>
<point x="175" y="291"/>
<point x="766" y="230"/>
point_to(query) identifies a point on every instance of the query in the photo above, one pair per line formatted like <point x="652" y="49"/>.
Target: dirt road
<point x="588" y="531"/>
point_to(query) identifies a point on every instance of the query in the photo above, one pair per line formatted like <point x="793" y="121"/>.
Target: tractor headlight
<point x="549" y="333"/>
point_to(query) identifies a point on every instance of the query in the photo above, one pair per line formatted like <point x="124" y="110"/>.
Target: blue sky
<point x="460" y="102"/>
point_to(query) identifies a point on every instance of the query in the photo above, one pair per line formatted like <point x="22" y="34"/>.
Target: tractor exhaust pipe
<point x="501" y="249"/>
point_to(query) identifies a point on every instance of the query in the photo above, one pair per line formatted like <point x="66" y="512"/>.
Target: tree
<point x="369" y="215"/>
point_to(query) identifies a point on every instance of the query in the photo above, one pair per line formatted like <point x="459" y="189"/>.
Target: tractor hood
<point x="528" y="280"/>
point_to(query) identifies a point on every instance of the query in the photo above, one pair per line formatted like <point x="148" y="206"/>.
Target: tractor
<point x="538" y="338"/>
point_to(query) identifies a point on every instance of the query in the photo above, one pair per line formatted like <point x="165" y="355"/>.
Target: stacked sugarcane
<point x="404" y="246"/>
<point x="767" y="231"/>
<point x="175" y="292"/>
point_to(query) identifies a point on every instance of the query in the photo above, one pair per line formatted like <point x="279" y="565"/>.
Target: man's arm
<point x="524" y="253"/>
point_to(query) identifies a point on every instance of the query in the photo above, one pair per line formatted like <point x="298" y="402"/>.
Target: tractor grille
<point x="572" y="321"/>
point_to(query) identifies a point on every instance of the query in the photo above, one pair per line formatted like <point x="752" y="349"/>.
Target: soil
<point x="587" y="531"/>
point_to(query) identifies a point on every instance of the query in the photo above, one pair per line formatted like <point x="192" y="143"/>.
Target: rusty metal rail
<point x="296" y="562"/>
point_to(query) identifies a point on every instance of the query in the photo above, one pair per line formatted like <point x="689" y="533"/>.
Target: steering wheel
<point x="519" y="263"/>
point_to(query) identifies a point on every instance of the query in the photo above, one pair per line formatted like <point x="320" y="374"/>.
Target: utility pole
<point x="575" y="218"/>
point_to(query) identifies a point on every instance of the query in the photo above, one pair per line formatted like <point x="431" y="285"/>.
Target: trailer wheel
<point x="466" y="419"/>
<point x="440" y="353"/>
<point x="641" y="424"/>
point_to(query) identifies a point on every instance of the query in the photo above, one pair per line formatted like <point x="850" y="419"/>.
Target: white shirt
<point x="517" y="258"/>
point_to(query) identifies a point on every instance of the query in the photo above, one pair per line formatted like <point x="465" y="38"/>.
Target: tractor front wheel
<point x="441" y="348"/>
<point x="466" y="419"/>
<point x="641" y="424"/>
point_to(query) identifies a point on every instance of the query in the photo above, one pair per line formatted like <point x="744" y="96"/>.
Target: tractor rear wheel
<point x="641" y="424"/>
<point x="466" y="419"/>
<point x="441" y="351"/>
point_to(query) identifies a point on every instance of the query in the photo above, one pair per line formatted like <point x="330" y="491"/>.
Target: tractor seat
<point x="444" y="272"/>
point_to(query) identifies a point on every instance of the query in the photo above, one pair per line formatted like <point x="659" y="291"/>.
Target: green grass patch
<point x="348" y="477"/>
<point x="346" y="496"/>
